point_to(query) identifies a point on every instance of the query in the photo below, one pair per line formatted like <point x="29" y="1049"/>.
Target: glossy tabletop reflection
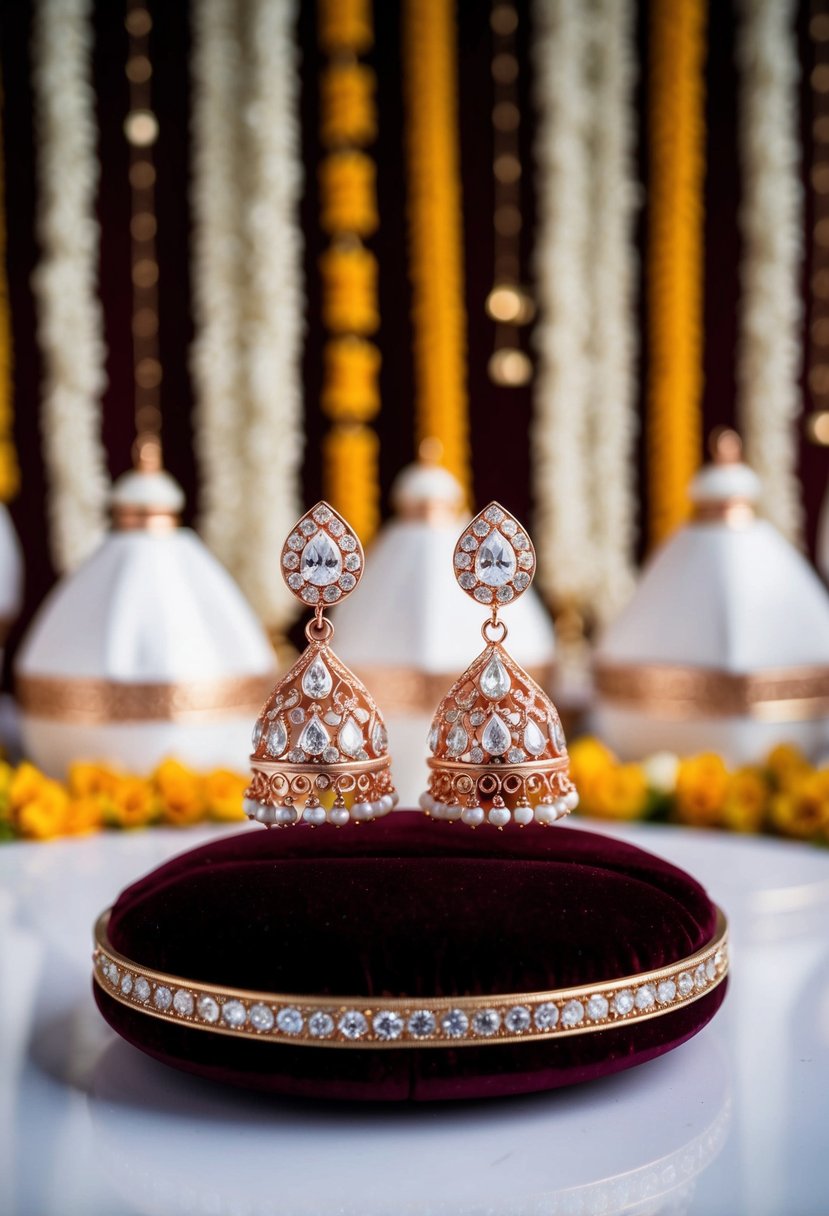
<point x="733" y="1122"/>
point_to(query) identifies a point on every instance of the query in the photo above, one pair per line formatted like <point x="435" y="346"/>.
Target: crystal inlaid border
<point x="411" y="1022"/>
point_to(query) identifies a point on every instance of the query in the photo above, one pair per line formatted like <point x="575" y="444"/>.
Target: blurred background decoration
<point x="412" y="257"/>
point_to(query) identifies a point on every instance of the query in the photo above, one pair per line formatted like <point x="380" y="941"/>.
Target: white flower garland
<point x="585" y="414"/>
<point x="248" y="178"/>
<point x="70" y="320"/>
<point x="769" y="359"/>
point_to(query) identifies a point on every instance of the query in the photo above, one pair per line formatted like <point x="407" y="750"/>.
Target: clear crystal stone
<point x="290" y="561"/>
<point x="322" y="515"/>
<point x="314" y="738"/>
<point x="277" y="739"/>
<point x="685" y="983"/>
<point x="352" y="561"/>
<point x="623" y="1001"/>
<point x="331" y="594"/>
<point x="469" y="542"/>
<point x="477" y="717"/>
<point x="467" y="581"/>
<point x="234" y="1014"/>
<point x="456" y="740"/>
<point x="521" y="581"/>
<point x="379" y="739"/>
<point x="295" y="541"/>
<point x="494" y="681"/>
<point x="295" y="581"/>
<point x="297" y="756"/>
<point x="534" y="741"/>
<point x="126" y="985"/>
<point x="183" y="1002"/>
<point x="480" y="527"/>
<point x="495" y="738"/>
<point x="509" y="527"/>
<point x="557" y="735"/>
<point x="141" y="989"/>
<point x="261" y="1017"/>
<point x="307" y="527"/>
<point x="596" y="1007"/>
<point x="330" y="755"/>
<point x="162" y="997"/>
<point x="256" y="737"/>
<point x="290" y="1020"/>
<point x="422" y="1023"/>
<point x="434" y="735"/>
<point x="350" y="738"/>
<point x="208" y="1009"/>
<point x="310" y="594"/>
<point x="494" y="515"/>
<point x="454" y="1023"/>
<point x="297" y="716"/>
<point x="321" y="560"/>
<point x="353" y="1024"/>
<point x="495" y="561"/>
<point x="348" y="544"/>
<point x="320" y="1025"/>
<point x="388" y="1025"/>
<point x="348" y="582"/>
<point x="546" y="1016"/>
<point x="504" y="594"/>
<point x="486" y="1022"/>
<point x="520" y="541"/>
<point x="515" y="755"/>
<point x="665" y="991"/>
<point x="476" y="755"/>
<point x="572" y="1013"/>
<point x="525" y="560"/>
<point x="483" y="595"/>
<point x="645" y="996"/>
<point x="517" y="1019"/>
<point x="316" y="680"/>
<point x="462" y="561"/>
<point x="700" y="978"/>
<point x="336" y="528"/>
<point x="711" y="969"/>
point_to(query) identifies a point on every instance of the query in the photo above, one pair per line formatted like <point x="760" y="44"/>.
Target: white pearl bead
<point x="499" y="816"/>
<point x="453" y="812"/>
<point x="385" y="804"/>
<point x="560" y="808"/>
<point x="523" y="815"/>
<point x="395" y="798"/>
<point x="362" y="810"/>
<point x="286" y="814"/>
<point x="265" y="814"/>
<point x="438" y="810"/>
<point x="314" y="815"/>
<point x="426" y="801"/>
<point x="473" y="815"/>
<point x="251" y="808"/>
<point x="571" y="800"/>
<point x="544" y="813"/>
<point x="338" y="815"/>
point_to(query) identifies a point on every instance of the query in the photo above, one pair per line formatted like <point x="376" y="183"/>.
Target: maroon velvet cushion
<point x="408" y="907"/>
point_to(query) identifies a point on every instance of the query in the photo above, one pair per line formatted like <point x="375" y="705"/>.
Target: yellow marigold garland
<point x="676" y="123"/>
<point x="435" y="230"/>
<point x="785" y="795"/>
<point x="350" y="394"/>
<point x="9" y="469"/>
<point x="94" y="797"/>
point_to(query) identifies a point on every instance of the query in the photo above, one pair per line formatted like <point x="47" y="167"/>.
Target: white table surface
<point x="736" y="1121"/>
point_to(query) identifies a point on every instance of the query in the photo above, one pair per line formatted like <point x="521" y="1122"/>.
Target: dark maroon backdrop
<point x="501" y="453"/>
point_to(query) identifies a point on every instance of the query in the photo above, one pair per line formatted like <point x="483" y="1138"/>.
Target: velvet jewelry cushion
<point x="409" y="908"/>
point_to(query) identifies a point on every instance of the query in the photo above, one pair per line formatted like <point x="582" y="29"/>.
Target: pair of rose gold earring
<point x="320" y="746"/>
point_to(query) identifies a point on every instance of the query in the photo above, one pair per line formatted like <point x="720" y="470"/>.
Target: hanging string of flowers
<point x="348" y="215"/>
<point x="94" y="797"/>
<point x="676" y="128"/>
<point x="435" y="231"/>
<point x="784" y="795"/>
<point x="771" y="220"/>
<point x="9" y="469"/>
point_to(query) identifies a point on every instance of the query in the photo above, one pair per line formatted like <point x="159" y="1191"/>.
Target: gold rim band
<point x="407" y="690"/>
<point x="78" y="700"/>
<point x="785" y="694"/>
<point x="362" y="1022"/>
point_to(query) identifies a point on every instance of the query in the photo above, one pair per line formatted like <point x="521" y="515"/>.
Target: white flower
<point x="660" y="770"/>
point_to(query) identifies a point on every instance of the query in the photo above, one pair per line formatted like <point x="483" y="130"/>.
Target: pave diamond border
<point x="709" y="966"/>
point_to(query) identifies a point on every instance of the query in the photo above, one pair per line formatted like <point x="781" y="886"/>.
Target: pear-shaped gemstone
<point x="258" y="730"/>
<point x="317" y="682"/>
<point x="456" y="740"/>
<point x="379" y="739"/>
<point x="557" y="735"/>
<point x="277" y="739"/>
<point x="534" y="741"/>
<point x="321" y="563"/>
<point x="495" y="682"/>
<point x="314" y="738"/>
<point x="495" y="562"/>
<point x="495" y="739"/>
<point x="434" y="735"/>
<point x="350" y="738"/>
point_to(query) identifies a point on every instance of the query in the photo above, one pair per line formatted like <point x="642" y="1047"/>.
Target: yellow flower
<point x="224" y="791"/>
<point x="787" y="765"/>
<point x="589" y="761"/>
<point x="180" y="792"/>
<point x="26" y="785"/>
<point x="90" y="780"/>
<point x="701" y="787"/>
<point x="132" y="803"/>
<point x="43" y="816"/>
<point x="746" y="800"/>
<point x="802" y="810"/>
<point x="6" y="779"/>
<point x="84" y="815"/>
<point x="619" y="792"/>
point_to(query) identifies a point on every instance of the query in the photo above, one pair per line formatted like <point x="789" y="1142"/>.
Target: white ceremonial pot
<point x="822" y="554"/>
<point x="411" y="632"/>
<point x="11" y="574"/>
<point x="729" y="599"/>
<point x="148" y="650"/>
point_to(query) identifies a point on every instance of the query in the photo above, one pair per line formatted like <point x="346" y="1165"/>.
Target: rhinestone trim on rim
<point x="416" y="1022"/>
